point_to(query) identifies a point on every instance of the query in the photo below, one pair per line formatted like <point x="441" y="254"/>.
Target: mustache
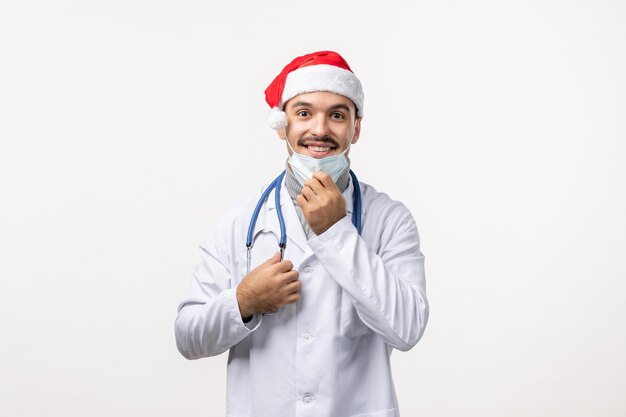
<point x="326" y="140"/>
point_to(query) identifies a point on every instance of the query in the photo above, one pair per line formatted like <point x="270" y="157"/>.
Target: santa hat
<point x="319" y="71"/>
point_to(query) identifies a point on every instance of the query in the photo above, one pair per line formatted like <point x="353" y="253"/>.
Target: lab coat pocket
<point x="351" y="324"/>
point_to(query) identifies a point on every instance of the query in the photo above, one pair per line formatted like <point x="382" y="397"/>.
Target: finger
<point x="289" y="277"/>
<point x="284" y="266"/>
<point x="301" y="200"/>
<point x="315" y="184"/>
<point x="281" y="268"/>
<point x="286" y="278"/>
<point x="308" y="193"/>
<point x="292" y="287"/>
<point x="324" y="179"/>
<point x="292" y="298"/>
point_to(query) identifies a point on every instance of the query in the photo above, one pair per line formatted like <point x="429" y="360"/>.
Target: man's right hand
<point x="268" y="287"/>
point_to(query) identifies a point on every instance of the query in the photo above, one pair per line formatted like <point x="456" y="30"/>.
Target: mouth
<point x="318" y="149"/>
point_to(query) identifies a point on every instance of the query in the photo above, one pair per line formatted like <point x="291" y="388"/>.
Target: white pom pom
<point x="277" y="119"/>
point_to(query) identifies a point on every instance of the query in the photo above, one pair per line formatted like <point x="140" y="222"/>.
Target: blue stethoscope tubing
<point x="282" y="243"/>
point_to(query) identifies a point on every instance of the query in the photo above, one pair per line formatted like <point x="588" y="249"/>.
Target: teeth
<point x="319" y="148"/>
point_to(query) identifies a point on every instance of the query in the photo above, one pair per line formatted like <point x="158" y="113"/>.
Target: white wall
<point x="127" y="126"/>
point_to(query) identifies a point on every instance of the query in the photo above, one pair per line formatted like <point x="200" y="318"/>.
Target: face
<point x="320" y="124"/>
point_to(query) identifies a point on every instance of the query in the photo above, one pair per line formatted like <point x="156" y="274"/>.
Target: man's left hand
<point x="321" y="202"/>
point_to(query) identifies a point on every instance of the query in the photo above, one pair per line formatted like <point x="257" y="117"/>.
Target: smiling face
<point x="320" y="124"/>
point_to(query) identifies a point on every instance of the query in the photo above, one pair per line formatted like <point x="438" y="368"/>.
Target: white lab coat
<point x="328" y="354"/>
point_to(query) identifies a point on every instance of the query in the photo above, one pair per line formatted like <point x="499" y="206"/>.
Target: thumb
<point x="274" y="259"/>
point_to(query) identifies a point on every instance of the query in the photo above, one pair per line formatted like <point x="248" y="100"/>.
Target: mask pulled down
<point x="304" y="166"/>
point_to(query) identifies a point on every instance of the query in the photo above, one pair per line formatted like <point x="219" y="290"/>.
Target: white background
<point x="126" y="127"/>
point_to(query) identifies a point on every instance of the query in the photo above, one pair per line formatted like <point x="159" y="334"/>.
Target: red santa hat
<point x="319" y="71"/>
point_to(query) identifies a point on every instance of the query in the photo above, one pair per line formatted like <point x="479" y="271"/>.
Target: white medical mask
<point x="304" y="166"/>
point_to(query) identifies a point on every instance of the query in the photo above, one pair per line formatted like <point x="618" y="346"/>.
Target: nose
<point x="320" y="125"/>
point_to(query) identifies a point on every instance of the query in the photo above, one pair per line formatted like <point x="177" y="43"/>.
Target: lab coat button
<point x="308" y="398"/>
<point x="308" y="270"/>
<point x="307" y="336"/>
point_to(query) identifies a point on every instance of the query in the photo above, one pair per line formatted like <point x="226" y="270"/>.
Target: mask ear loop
<point x="289" y="144"/>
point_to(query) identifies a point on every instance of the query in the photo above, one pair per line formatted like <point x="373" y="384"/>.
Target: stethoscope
<point x="282" y="243"/>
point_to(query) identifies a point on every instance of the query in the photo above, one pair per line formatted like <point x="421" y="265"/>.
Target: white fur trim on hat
<point x="277" y="119"/>
<point x="324" y="77"/>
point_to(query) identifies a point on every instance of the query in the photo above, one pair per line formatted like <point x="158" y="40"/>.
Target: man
<point x="311" y="334"/>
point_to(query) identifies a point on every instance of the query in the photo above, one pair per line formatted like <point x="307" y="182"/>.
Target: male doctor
<point x="310" y="331"/>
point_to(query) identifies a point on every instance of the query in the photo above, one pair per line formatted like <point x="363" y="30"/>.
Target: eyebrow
<point x="335" y="107"/>
<point x="341" y="106"/>
<point x="301" y="104"/>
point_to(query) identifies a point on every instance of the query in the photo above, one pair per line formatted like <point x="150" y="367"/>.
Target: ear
<point x="357" y="130"/>
<point x="282" y="133"/>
